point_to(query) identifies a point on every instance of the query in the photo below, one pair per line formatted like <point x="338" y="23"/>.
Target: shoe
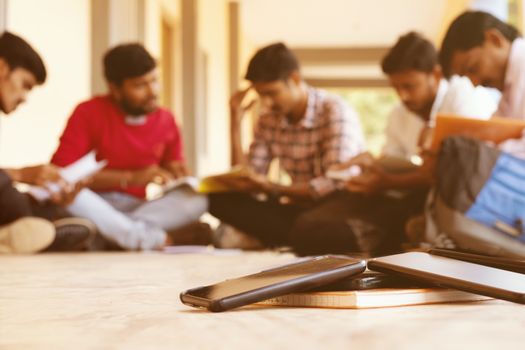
<point x="26" y="235"/>
<point x="72" y="234"/>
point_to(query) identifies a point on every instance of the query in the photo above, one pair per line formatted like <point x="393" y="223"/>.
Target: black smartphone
<point x="369" y="280"/>
<point x="494" y="261"/>
<point x="452" y="273"/>
<point x="295" y="277"/>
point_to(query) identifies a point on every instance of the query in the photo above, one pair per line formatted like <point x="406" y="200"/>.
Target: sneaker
<point x="26" y="235"/>
<point x="72" y="234"/>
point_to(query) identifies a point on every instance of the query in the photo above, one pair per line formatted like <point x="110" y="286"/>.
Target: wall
<point x="59" y="30"/>
<point x="213" y="146"/>
<point x="338" y="22"/>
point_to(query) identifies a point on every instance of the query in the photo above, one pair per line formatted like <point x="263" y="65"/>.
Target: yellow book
<point x="217" y="183"/>
<point x="373" y="298"/>
<point x="209" y="184"/>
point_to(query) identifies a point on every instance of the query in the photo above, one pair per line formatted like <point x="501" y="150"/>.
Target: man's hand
<point x="237" y="98"/>
<point x="40" y="175"/>
<point x="67" y="193"/>
<point x="372" y="180"/>
<point x="236" y="108"/>
<point x="152" y="173"/>
<point x="177" y="169"/>
<point x="48" y="176"/>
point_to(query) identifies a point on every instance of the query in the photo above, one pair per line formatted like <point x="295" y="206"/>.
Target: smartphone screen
<point x="454" y="273"/>
<point x="272" y="283"/>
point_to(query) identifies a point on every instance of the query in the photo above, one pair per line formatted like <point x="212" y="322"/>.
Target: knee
<point x="198" y="205"/>
<point x="195" y="204"/>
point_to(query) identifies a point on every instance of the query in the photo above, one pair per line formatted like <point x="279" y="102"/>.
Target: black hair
<point x="19" y="54"/>
<point x="411" y="52"/>
<point x="127" y="61"/>
<point x="273" y="62"/>
<point x="468" y="31"/>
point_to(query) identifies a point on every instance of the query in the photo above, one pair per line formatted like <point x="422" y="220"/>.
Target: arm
<point x="110" y="178"/>
<point x="37" y="175"/>
<point x="258" y="183"/>
<point x="43" y="175"/>
<point x="237" y="112"/>
<point x="76" y="140"/>
<point x="295" y="191"/>
<point x="375" y="180"/>
<point x="173" y="157"/>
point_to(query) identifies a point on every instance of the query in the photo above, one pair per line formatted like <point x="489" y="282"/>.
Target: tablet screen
<point x="455" y="273"/>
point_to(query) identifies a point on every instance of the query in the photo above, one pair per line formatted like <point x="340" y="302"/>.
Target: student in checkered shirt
<point x="307" y="130"/>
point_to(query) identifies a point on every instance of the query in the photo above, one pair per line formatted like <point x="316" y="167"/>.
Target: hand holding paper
<point x="69" y="180"/>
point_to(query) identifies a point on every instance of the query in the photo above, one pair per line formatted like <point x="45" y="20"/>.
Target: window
<point x="373" y="105"/>
<point x="516" y="13"/>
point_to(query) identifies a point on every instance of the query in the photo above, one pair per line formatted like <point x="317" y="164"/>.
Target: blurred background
<point x="203" y="46"/>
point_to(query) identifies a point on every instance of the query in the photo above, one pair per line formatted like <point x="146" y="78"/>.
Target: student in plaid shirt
<point x="308" y="130"/>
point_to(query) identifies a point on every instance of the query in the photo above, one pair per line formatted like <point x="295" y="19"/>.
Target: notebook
<point x="373" y="298"/>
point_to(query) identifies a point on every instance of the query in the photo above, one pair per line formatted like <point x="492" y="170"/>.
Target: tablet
<point x="494" y="261"/>
<point x="451" y="273"/>
<point x="272" y="283"/>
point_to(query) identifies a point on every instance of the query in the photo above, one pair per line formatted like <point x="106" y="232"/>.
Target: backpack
<point x="479" y="198"/>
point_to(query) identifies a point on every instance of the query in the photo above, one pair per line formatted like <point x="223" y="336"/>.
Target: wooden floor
<point x="131" y="301"/>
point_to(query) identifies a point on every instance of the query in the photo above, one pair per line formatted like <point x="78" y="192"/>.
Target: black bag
<point x="480" y="197"/>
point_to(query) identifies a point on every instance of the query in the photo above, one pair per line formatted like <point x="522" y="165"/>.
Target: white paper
<point x="73" y="173"/>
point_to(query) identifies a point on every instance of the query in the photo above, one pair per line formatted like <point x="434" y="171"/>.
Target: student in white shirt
<point x="414" y="72"/>
<point x="490" y="53"/>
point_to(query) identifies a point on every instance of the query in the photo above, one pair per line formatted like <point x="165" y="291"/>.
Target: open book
<point x="495" y="130"/>
<point x="209" y="184"/>
<point x="373" y="298"/>
<point x="73" y="173"/>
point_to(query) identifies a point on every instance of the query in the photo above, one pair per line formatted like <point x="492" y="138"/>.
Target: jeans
<point x="340" y="223"/>
<point x="136" y="224"/>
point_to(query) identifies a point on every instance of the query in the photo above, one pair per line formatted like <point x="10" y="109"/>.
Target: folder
<point x="495" y="130"/>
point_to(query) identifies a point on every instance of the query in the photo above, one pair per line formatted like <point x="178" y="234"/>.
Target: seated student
<point x="23" y="228"/>
<point x="491" y="53"/>
<point x="142" y="144"/>
<point x="308" y="130"/>
<point x="414" y="72"/>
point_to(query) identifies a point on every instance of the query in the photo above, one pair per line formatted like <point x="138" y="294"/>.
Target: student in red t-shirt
<point x="141" y="143"/>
